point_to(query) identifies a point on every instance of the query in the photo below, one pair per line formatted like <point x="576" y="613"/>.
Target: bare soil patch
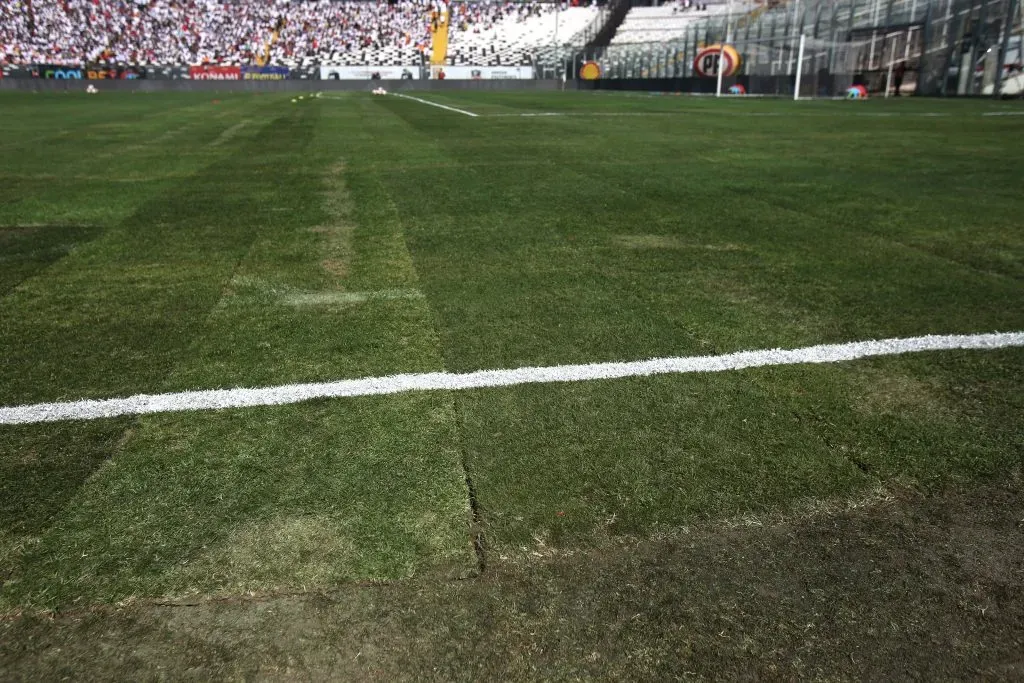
<point x="914" y="586"/>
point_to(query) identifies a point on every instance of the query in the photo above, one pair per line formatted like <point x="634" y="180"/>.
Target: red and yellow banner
<point x="213" y="72"/>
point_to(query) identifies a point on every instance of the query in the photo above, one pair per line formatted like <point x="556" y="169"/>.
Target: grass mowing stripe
<point x="215" y="399"/>
<point x="290" y="499"/>
<point x="371" y="490"/>
<point x="103" y="173"/>
<point x="120" y="308"/>
<point x="538" y="263"/>
<point x="27" y="250"/>
<point x="125" y="305"/>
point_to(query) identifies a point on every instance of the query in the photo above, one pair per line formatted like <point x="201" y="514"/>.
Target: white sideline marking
<point x="214" y="399"/>
<point x="682" y="112"/>
<point x="587" y="113"/>
<point x="435" y="104"/>
<point x="1003" y="113"/>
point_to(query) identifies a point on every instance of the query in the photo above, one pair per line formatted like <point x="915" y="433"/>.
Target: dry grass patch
<point x="672" y="242"/>
<point x="890" y="392"/>
<point x="307" y="552"/>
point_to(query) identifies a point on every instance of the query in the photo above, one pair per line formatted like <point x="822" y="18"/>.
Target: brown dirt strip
<point x="910" y="586"/>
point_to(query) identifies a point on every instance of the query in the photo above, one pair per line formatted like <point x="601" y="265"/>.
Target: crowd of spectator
<point x="117" y="31"/>
<point x="687" y="5"/>
<point x="233" y="32"/>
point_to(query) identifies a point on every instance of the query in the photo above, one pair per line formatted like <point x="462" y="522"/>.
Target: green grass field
<point x="157" y="243"/>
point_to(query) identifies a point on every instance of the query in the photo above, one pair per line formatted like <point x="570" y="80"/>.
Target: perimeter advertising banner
<point x="264" y="73"/>
<point x="481" y="73"/>
<point x="212" y="72"/>
<point x="362" y="73"/>
<point x="87" y="73"/>
<point x="706" y="62"/>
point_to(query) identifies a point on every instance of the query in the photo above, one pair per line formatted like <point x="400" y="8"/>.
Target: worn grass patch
<point x="300" y="552"/>
<point x="670" y="242"/>
<point x="906" y="584"/>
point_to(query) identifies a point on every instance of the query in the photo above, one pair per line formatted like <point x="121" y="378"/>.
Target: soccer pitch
<point x="164" y="244"/>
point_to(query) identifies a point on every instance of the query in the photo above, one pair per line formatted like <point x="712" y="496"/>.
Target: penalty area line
<point x="434" y="104"/>
<point x="216" y="399"/>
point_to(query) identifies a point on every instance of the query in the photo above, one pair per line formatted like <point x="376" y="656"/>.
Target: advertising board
<point x="90" y="73"/>
<point x="214" y="72"/>
<point x="705" y="64"/>
<point x="481" y="73"/>
<point x="264" y="73"/>
<point x="362" y="73"/>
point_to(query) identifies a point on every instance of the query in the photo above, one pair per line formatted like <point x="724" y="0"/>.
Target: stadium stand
<point x="654" y="41"/>
<point x="514" y="37"/>
<point x="666" y="22"/>
<point x="183" y="32"/>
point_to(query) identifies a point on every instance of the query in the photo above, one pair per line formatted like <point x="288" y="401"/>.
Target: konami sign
<point x="212" y="72"/>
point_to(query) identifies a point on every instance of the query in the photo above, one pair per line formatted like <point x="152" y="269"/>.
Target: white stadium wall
<point x="454" y="73"/>
<point x="482" y="73"/>
<point x="362" y="73"/>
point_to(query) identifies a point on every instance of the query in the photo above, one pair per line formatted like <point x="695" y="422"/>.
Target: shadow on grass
<point x="43" y="465"/>
<point x="28" y="249"/>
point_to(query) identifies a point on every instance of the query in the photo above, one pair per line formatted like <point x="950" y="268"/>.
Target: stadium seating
<point x="667" y="22"/>
<point x="514" y="40"/>
<point x="644" y="36"/>
<point x="309" y="33"/>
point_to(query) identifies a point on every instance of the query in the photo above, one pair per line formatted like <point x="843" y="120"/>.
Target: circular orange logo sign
<point x="706" y="62"/>
<point x="590" y="71"/>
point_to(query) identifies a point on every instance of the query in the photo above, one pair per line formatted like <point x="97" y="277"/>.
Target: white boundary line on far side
<point x="559" y="114"/>
<point x="435" y="104"/>
<point x="537" y="114"/>
<point x="445" y="381"/>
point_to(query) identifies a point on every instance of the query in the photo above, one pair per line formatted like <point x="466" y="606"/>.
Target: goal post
<point x="799" y="68"/>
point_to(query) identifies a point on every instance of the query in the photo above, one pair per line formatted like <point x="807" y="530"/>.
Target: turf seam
<point x="924" y="251"/>
<point x="869" y="230"/>
<point x="431" y="330"/>
<point x="863" y="467"/>
<point x="476" y="522"/>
